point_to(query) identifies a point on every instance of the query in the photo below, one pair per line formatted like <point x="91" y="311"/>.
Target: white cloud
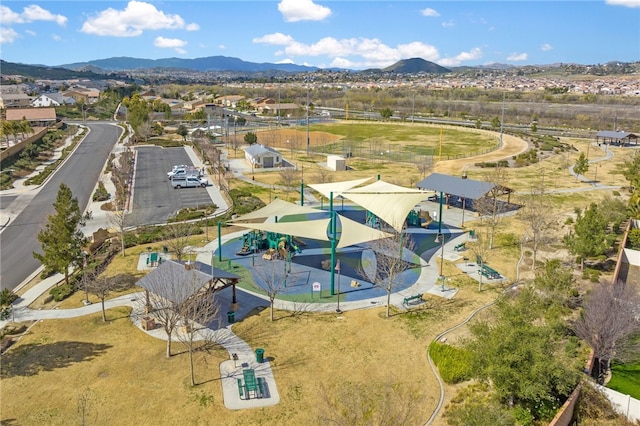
<point x="473" y="54"/>
<point x="31" y="13"/>
<point x="222" y="46"/>
<point x="169" y="43"/>
<point x="31" y="33"/>
<point x="34" y="13"/>
<point x="8" y="35"/>
<point x="277" y="39"/>
<point x="56" y="37"/>
<point x="626" y="3"/>
<point x="8" y="16"/>
<point x="132" y="21"/>
<point x="285" y="61"/>
<point x="302" y="10"/>
<point x="449" y="24"/>
<point x="429" y="12"/>
<point x="517" y="57"/>
<point x="192" y="27"/>
<point x="546" y="47"/>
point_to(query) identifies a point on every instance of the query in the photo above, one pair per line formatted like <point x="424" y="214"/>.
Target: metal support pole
<point x="332" y="224"/>
<point x="219" y="242"/>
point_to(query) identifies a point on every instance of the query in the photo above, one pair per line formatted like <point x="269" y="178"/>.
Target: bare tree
<point x="197" y="312"/>
<point x="101" y="285"/>
<point x="393" y="256"/>
<point x="117" y="219"/>
<point x="178" y="238"/>
<point x="87" y="403"/>
<point x="324" y="175"/>
<point x="167" y="288"/>
<point x="288" y="179"/>
<point x="608" y="322"/>
<point x="273" y="276"/>
<point x="536" y="216"/>
<point x="490" y="207"/>
<point x="481" y="250"/>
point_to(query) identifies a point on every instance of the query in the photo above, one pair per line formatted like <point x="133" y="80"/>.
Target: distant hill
<point x="416" y="65"/>
<point x="210" y="63"/>
<point x="46" y="72"/>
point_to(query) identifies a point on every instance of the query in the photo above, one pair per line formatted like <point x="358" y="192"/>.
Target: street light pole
<point x="308" y="140"/>
<point x="338" y="270"/>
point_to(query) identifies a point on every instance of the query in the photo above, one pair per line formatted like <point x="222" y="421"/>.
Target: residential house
<point x="37" y="117"/>
<point x="14" y="100"/>
<point x="83" y="94"/>
<point x="285" y="109"/>
<point x="260" y="156"/>
<point x="229" y="101"/>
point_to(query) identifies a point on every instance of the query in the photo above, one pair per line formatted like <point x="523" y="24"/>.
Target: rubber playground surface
<point x="300" y="263"/>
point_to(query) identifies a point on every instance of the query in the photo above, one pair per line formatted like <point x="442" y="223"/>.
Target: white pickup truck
<point x="184" y="171"/>
<point x="188" y="182"/>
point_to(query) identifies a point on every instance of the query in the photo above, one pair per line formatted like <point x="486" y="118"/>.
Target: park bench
<point x="261" y="387"/>
<point x="488" y="272"/>
<point x="460" y="247"/>
<point x="408" y="300"/>
<point x="240" y="388"/>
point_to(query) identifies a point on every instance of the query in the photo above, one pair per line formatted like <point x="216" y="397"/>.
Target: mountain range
<point x="97" y="69"/>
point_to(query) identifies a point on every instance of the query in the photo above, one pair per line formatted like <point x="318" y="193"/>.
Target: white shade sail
<point x="337" y="187"/>
<point x="279" y="208"/>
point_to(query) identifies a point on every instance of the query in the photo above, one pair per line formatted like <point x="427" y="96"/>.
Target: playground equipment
<point x="373" y="220"/>
<point x="419" y="218"/>
<point x="276" y="245"/>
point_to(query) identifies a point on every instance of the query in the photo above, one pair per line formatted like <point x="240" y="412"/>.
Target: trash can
<point x="259" y="355"/>
<point x="231" y="317"/>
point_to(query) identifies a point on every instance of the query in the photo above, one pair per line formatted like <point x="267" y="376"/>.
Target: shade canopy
<point x="314" y="229"/>
<point x="277" y="207"/>
<point x="337" y="188"/>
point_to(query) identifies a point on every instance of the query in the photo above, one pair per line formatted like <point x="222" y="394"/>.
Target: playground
<point x="293" y="248"/>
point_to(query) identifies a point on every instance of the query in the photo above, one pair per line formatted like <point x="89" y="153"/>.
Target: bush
<point x="61" y="292"/>
<point x="453" y="363"/>
<point x="101" y="193"/>
<point x="633" y="239"/>
<point x="592" y="275"/>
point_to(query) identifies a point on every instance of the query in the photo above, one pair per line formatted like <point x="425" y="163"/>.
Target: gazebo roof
<point x="467" y="188"/>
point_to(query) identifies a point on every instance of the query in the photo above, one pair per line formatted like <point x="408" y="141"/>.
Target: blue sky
<point x="351" y="34"/>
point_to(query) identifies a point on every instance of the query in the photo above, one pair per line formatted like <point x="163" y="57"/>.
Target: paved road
<point x="80" y="172"/>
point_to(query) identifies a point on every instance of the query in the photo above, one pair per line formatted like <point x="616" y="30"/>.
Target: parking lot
<point x="154" y="200"/>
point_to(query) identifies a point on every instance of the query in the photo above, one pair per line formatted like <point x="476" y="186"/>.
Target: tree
<point x="101" y="286"/>
<point x="288" y="179"/>
<point x="589" y="235"/>
<point x="608" y="322"/>
<point x="273" y="277"/>
<point x="489" y="207"/>
<point x="582" y="165"/>
<point x="178" y="235"/>
<point x="166" y="289"/>
<point x="535" y="215"/>
<point x="197" y="312"/>
<point x="631" y="171"/>
<point x="250" y="138"/>
<point x="393" y="256"/>
<point x="62" y="240"/>
<point x="521" y="357"/>
<point x="386" y="113"/>
<point x="496" y="123"/>
<point x="182" y="131"/>
<point x="481" y="250"/>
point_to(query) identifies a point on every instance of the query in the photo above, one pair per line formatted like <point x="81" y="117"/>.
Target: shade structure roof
<point x="337" y="188"/>
<point x="467" y="188"/>
<point x="277" y="207"/>
<point x="390" y="202"/>
<point x="173" y="281"/>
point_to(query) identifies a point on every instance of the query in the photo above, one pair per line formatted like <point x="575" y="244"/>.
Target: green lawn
<point x="626" y="379"/>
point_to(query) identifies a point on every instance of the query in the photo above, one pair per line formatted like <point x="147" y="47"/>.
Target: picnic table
<point x="250" y="382"/>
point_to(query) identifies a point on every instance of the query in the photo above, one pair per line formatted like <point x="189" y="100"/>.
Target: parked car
<point x="185" y="171"/>
<point x="188" y="182"/>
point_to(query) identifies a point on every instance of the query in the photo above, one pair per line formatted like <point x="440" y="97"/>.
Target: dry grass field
<point x="114" y="373"/>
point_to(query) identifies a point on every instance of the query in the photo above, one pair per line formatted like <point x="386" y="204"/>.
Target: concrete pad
<point x="447" y="292"/>
<point x="231" y="371"/>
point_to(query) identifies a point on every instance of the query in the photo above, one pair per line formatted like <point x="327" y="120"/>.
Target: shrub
<point x="633" y="239"/>
<point x="101" y="193"/>
<point x="61" y="292"/>
<point x="592" y="275"/>
<point x="453" y="363"/>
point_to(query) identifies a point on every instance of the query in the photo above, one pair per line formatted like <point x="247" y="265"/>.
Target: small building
<point x="260" y="156"/>
<point x="336" y="163"/>
<point x="14" y="100"/>
<point x="609" y="137"/>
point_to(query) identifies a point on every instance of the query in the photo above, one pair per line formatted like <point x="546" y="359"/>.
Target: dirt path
<point x="511" y="145"/>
